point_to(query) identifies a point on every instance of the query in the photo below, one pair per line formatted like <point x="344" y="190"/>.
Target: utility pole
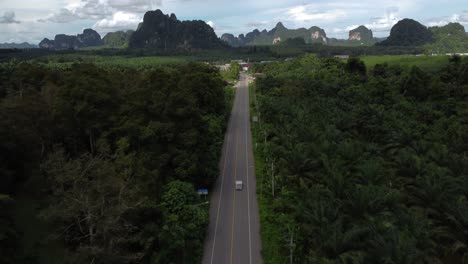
<point x="272" y="178"/>
<point x="291" y="248"/>
<point x="290" y="244"/>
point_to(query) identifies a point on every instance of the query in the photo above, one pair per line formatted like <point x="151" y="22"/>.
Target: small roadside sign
<point x="202" y="191"/>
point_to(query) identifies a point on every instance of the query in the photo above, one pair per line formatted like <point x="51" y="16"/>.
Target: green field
<point x="424" y="62"/>
<point x="66" y="60"/>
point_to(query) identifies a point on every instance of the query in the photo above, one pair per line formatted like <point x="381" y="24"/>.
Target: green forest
<point x="101" y="165"/>
<point x="362" y="165"/>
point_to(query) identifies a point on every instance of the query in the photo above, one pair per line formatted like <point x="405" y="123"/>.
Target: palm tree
<point x="455" y="230"/>
<point x="326" y="237"/>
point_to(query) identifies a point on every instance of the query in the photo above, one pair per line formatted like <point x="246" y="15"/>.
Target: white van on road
<point x="239" y="185"/>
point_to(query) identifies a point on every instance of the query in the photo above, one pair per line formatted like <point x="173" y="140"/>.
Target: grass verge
<point x="269" y="231"/>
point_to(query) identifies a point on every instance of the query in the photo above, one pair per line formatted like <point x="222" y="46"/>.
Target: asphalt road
<point x="234" y="230"/>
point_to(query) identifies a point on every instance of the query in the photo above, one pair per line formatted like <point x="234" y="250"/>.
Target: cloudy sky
<point x="32" y="20"/>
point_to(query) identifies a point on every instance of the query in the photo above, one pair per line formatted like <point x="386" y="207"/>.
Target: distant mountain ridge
<point x="407" y="32"/>
<point x="89" y="38"/>
<point x="163" y="32"/>
<point x="277" y="34"/>
<point x="24" y="45"/>
<point x="358" y="36"/>
<point x="157" y="31"/>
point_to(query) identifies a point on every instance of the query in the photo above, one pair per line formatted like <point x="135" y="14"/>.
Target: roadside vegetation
<point x="362" y="166"/>
<point x="101" y="165"/>
<point x="231" y="74"/>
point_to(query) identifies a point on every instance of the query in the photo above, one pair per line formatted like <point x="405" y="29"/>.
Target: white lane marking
<point x="222" y="183"/>
<point x="247" y="172"/>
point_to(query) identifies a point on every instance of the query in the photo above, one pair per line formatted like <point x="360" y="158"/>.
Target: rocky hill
<point x="89" y="38"/>
<point x="163" y="32"/>
<point x="361" y="34"/>
<point x="450" y="38"/>
<point x="119" y="39"/>
<point x="278" y="34"/>
<point x="408" y="32"/>
<point x="233" y="41"/>
<point x="450" y="29"/>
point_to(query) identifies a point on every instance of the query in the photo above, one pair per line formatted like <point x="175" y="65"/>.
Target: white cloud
<point x="461" y="18"/>
<point x="62" y="16"/>
<point x="119" y="20"/>
<point x="26" y="31"/>
<point x="211" y="24"/>
<point x="309" y="13"/>
<point x="256" y="24"/>
<point x="464" y="17"/>
<point x="107" y="12"/>
<point x="8" y="18"/>
<point x="386" y="22"/>
<point x="381" y="24"/>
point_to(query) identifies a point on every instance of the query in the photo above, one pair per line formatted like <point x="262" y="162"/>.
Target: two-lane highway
<point x="233" y="233"/>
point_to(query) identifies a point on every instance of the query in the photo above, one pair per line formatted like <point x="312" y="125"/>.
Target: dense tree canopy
<point x="450" y="38"/>
<point x="369" y="166"/>
<point x="109" y="159"/>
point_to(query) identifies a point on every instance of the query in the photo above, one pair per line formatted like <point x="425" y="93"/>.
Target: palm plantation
<point x="370" y="165"/>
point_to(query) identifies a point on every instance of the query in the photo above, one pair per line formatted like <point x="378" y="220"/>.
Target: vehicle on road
<point x="239" y="185"/>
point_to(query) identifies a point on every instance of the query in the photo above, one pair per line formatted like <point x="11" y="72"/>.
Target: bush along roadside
<point x="276" y="230"/>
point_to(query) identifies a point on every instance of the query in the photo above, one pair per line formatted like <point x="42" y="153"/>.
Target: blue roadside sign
<point x="202" y="191"/>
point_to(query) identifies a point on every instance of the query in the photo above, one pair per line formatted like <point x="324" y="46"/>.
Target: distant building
<point x="459" y="54"/>
<point x="245" y="66"/>
<point x="343" y="57"/>
<point x="224" y="67"/>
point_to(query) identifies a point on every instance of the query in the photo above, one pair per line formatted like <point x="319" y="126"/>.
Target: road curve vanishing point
<point x="233" y="235"/>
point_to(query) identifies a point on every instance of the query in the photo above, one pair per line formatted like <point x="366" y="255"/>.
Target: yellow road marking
<point x="222" y="187"/>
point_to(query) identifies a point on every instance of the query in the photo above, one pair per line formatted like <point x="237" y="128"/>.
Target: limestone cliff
<point x="166" y="32"/>
<point x="362" y="34"/>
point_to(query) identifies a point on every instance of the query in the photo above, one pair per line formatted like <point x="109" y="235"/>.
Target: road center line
<point x="234" y="199"/>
